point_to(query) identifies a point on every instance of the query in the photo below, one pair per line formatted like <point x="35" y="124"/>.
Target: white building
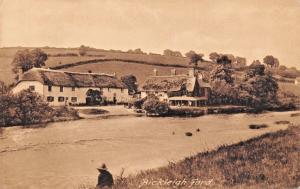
<point x="63" y="88"/>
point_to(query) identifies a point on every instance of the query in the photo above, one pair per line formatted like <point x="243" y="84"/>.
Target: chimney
<point x="173" y="72"/>
<point x="192" y="72"/>
<point x="154" y="72"/>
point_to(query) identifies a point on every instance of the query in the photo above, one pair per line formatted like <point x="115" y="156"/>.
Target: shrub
<point x="154" y="106"/>
<point x="258" y="126"/>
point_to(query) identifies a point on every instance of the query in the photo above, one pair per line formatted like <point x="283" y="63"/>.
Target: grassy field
<point x="269" y="161"/>
<point x="7" y="54"/>
<point x="122" y="68"/>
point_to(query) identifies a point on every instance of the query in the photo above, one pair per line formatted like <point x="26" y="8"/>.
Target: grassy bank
<point x="269" y="161"/>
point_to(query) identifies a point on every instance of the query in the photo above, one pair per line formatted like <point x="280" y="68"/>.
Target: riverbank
<point x="65" y="155"/>
<point x="268" y="161"/>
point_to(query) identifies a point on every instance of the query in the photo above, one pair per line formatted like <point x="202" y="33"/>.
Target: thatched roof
<point x="72" y="79"/>
<point x="169" y="83"/>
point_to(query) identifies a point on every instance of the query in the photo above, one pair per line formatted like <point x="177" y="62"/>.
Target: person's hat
<point x="103" y="167"/>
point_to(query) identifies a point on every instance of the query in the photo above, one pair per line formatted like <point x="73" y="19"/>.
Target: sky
<point x="247" y="28"/>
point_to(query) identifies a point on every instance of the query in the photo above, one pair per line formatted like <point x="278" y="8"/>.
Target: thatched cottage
<point x="64" y="88"/>
<point x="177" y="90"/>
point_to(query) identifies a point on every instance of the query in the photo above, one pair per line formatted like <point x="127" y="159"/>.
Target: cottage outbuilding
<point x="177" y="90"/>
<point x="63" y="88"/>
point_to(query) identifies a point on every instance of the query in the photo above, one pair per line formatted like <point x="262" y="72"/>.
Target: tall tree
<point x="26" y="60"/>
<point x="131" y="82"/>
<point x="195" y="58"/>
<point x="224" y="60"/>
<point x="214" y="56"/>
<point x="271" y="61"/>
<point x="82" y="50"/>
<point x="260" y="88"/>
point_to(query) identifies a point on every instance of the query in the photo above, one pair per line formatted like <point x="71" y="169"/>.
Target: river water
<point x="66" y="154"/>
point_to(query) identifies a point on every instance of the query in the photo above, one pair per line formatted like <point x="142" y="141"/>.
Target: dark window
<point x="73" y="88"/>
<point x="32" y="88"/>
<point x="108" y="89"/>
<point x="122" y="90"/>
<point x="61" y="99"/>
<point x="74" y="99"/>
<point x="49" y="88"/>
<point x="50" y="99"/>
<point x="61" y="89"/>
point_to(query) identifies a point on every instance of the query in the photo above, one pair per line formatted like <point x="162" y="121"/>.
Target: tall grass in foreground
<point x="269" y="161"/>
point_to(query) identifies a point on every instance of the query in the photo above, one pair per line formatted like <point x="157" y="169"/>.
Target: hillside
<point x="111" y="61"/>
<point x="7" y="54"/>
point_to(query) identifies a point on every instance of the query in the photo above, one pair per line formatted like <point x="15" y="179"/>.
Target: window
<point x="49" y="88"/>
<point x="50" y="99"/>
<point x="73" y="88"/>
<point x="61" y="89"/>
<point x="32" y="88"/>
<point x="108" y="89"/>
<point x="122" y="90"/>
<point x="61" y="99"/>
<point x="74" y="99"/>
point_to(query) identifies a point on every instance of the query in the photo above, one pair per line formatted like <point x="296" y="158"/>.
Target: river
<point x="66" y="154"/>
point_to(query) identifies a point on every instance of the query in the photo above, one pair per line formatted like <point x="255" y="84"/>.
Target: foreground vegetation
<point x="269" y="161"/>
<point x="28" y="108"/>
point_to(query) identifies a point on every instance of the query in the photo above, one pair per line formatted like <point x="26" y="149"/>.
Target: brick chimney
<point x="154" y="72"/>
<point x="173" y="72"/>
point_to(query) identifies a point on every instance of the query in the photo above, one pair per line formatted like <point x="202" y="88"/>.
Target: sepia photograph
<point x="149" y="94"/>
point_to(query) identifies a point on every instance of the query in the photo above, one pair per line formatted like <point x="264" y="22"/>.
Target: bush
<point x="27" y="108"/>
<point x="186" y="112"/>
<point x="257" y="126"/>
<point x="154" y="106"/>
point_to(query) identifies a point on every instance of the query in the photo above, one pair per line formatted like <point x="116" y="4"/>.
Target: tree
<point x="38" y="58"/>
<point x="222" y="73"/>
<point x="241" y="62"/>
<point x="231" y="57"/>
<point x="29" y="107"/>
<point x="222" y="82"/>
<point x="255" y="63"/>
<point x="83" y="50"/>
<point x="258" y="88"/>
<point x="194" y="58"/>
<point x="131" y="82"/>
<point x="214" y="56"/>
<point x="153" y="106"/>
<point x="94" y="96"/>
<point x="26" y="60"/>
<point x="169" y="52"/>
<point x="271" y="61"/>
<point x="255" y="70"/>
<point x="224" y="60"/>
